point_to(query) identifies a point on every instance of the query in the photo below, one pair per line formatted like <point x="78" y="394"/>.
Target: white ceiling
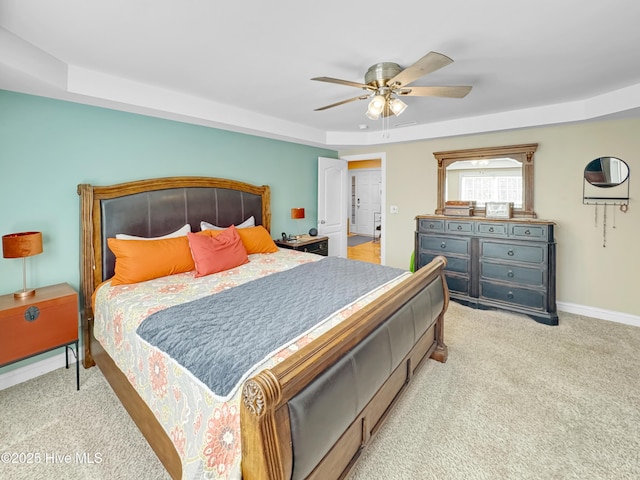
<point x="246" y="65"/>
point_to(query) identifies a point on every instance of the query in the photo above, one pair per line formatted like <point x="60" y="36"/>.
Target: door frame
<point x="383" y="207"/>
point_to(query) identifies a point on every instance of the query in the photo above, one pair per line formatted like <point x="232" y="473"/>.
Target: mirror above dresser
<point x="490" y="174"/>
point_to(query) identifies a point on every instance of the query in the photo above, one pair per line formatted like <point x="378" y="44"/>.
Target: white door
<point x="332" y="204"/>
<point x="367" y="200"/>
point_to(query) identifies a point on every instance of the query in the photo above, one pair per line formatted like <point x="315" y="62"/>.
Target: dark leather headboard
<point x="159" y="212"/>
<point x="156" y="207"/>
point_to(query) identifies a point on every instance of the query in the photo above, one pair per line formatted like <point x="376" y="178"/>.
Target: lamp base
<point x="20" y="294"/>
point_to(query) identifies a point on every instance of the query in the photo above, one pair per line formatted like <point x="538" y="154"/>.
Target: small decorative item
<point x="313" y="232"/>
<point x="498" y="209"/>
<point x="22" y="245"/>
<point x="459" y="208"/>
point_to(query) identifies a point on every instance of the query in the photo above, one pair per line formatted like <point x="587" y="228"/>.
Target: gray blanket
<point x="219" y="338"/>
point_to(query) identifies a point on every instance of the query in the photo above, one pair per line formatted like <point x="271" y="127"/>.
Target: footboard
<point x="311" y="415"/>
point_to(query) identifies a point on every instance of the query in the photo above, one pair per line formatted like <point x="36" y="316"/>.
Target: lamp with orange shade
<point x="297" y="213"/>
<point x="22" y="245"/>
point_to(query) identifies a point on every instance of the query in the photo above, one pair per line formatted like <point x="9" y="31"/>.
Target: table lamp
<point x="22" y="245"/>
<point x="297" y="214"/>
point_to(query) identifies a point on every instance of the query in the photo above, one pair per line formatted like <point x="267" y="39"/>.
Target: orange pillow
<point x="140" y="260"/>
<point x="217" y="253"/>
<point x="210" y="233"/>
<point x="257" y="240"/>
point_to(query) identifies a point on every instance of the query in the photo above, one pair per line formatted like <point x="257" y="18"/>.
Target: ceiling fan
<point x="386" y="81"/>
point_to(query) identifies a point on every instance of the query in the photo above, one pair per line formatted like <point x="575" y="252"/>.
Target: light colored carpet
<point x="68" y="429"/>
<point x="516" y="400"/>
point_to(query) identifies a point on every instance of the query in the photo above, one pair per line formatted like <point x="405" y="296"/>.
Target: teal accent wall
<point x="48" y="147"/>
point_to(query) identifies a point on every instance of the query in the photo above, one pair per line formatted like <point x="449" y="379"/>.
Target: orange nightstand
<point x="37" y="324"/>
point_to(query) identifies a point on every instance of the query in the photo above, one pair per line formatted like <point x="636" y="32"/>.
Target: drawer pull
<point x="490" y="229"/>
<point x="459" y="227"/>
<point x="443" y="245"/>
<point x="431" y="225"/>
<point x="31" y="314"/>
<point x="510" y="253"/>
<point x="510" y="273"/>
<point x="527" y="232"/>
<point x="510" y="295"/>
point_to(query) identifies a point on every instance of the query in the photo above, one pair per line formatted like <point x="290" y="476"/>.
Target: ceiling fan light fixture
<point x="371" y="115"/>
<point x="397" y="106"/>
<point x="376" y="105"/>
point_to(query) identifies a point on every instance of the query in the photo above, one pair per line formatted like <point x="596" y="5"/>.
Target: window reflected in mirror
<point x="485" y="180"/>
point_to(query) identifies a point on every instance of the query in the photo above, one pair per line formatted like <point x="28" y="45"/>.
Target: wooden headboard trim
<point x="90" y="228"/>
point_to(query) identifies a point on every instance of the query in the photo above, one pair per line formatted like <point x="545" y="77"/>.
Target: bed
<point x="304" y="411"/>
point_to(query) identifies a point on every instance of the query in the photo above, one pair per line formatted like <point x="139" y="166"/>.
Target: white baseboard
<point x="33" y="370"/>
<point x="600" y="313"/>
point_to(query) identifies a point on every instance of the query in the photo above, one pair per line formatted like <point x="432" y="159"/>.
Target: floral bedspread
<point x="205" y="431"/>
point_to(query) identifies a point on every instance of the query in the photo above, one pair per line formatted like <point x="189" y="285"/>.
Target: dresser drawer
<point x="444" y="245"/>
<point x="38" y="327"/>
<point x="454" y="264"/>
<point x="497" y="229"/>
<point x="455" y="226"/>
<point x="532" y="276"/>
<point x="513" y="252"/>
<point x="531" y="232"/>
<point x="513" y="295"/>
<point x="458" y="284"/>
<point x="426" y="225"/>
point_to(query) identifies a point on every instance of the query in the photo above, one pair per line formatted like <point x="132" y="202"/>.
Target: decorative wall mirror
<point x="606" y="172"/>
<point x="492" y="174"/>
<point x="606" y="182"/>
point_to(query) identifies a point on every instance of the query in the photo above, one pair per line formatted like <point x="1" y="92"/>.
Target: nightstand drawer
<point x="319" y="248"/>
<point x="35" y="326"/>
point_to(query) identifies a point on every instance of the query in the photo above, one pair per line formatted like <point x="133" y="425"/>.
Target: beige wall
<point x="588" y="274"/>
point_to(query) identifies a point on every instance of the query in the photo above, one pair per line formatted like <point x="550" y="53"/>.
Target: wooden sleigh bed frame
<point x="368" y="359"/>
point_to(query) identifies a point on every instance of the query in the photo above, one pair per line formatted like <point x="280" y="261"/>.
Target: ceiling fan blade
<point x="343" y="82"/>
<point x="431" y="62"/>
<point x="447" y="92"/>
<point x="361" y="97"/>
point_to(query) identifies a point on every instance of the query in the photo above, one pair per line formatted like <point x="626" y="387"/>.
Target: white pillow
<point x="249" y="222"/>
<point x="181" y="232"/>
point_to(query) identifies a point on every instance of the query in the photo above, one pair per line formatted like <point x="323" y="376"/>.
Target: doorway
<point x="364" y="204"/>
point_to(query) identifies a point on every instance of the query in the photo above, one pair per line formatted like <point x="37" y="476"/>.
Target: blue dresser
<point x="506" y="264"/>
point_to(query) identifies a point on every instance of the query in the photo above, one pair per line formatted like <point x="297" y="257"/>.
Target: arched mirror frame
<point x="523" y="153"/>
